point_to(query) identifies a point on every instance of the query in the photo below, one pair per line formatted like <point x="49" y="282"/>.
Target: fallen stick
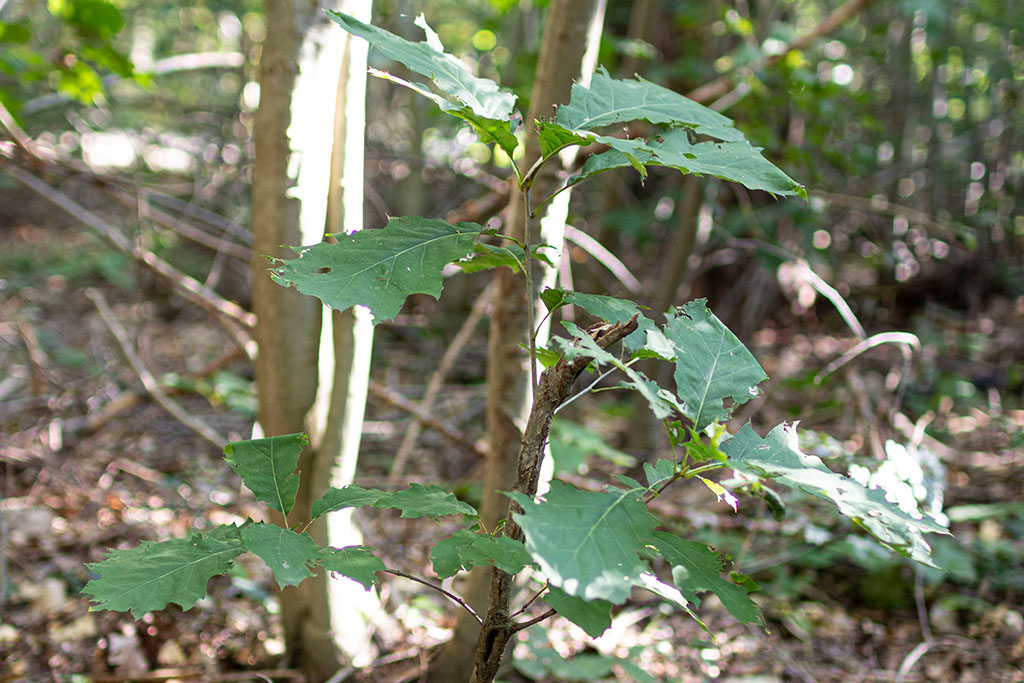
<point x="239" y="320"/>
<point x="437" y="380"/>
<point x="149" y="382"/>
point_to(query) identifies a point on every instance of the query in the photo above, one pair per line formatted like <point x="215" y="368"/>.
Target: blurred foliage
<point x="906" y="124"/>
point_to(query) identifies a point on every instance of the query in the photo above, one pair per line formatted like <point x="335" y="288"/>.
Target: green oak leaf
<point x="465" y="550"/>
<point x="609" y="101"/>
<point x="660" y="472"/>
<point x="609" y="309"/>
<point x="696" y="569"/>
<point x="680" y="141"/>
<point x="351" y="496"/>
<point x="572" y="444"/>
<point x="778" y="458"/>
<point x="378" y="268"/>
<point x="711" y="363"/>
<point x="588" y="543"/>
<point x="736" y="161"/>
<point x="424" y="501"/>
<point x="488" y="256"/>
<point x="151" y="575"/>
<point x="661" y="401"/>
<point x="356" y="562"/>
<point x="478" y="101"/>
<point x="593" y="616"/>
<point x="287" y="553"/>
<point x="267" y="467"/>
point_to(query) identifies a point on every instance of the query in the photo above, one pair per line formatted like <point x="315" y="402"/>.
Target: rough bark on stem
<point x="553" y="389"/>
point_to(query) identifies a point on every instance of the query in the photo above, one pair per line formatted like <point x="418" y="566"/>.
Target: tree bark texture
<point x="508" y="392"/>
<point x="553" y="389"/>
<point x="308" y="360"/>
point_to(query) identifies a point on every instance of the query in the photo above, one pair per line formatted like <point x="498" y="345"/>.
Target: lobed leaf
<point x="609" y="309"/>
<point x="267" y="467"/>
<point x="356" y="562"/>
<point x="777" y="457"/>
<point x="465" y="550"/>
<point x="287" y="553"/>
<point x="593" y="616"/>
<point x="378" y="268"/>
<point x="152" y="575"/>
<point x="658" y="473"/>
<point x="696" y="569"/>
<point x="711" y="363"/>
<point x="588" y="543"/>
<point x="351" y="496"/>
<point x="609" y="101"/>
<point x="424" y="501"/>
<point x="736" y="161"/>
<point x="680" y="142"/>
<point x="479" y="101"/>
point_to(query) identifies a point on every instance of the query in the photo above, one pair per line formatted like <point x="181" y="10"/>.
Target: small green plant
<point x="591" y="548"/>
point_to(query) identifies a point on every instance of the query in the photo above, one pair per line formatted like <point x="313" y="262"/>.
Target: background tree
<point x="927" y="245"/>
<point x="312" y="366"/>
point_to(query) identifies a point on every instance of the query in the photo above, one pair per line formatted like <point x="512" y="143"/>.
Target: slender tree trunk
<point x="312" y="366"/>
<point x="567" y="29"/>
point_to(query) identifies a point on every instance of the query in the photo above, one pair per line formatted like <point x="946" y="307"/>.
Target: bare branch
<point x="152" y="387"/>
<point x="440" y="590"/>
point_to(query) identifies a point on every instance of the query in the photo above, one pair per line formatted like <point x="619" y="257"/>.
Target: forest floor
<point x="89" y="461"/>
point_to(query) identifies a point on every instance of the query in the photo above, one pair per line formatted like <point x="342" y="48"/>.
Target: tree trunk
<point x="567" y="31"/>
<point x="312" y="367"/>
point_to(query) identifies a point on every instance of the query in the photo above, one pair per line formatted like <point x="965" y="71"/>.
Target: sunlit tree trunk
<point x="570" y="28"/>
<point x="312" y="366"/>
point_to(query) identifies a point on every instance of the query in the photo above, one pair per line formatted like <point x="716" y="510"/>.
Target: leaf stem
<point x="531" y="600"/>
<point x="527" y="624"/>
<point x="530" y="294"/>
<point x="593" y="384"/>
<point x="442" y="591"/>
<point x="703" y="468"/>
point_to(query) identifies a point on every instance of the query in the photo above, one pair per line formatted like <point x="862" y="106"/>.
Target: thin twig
<point x="528" y="271"/>
<point x="186" y="230"/>
<point x="532" y="600"/>
<point x="19" y="136"/>
<point x="399" y="401"/>
<point x="447" y="594"/>
<point x="536" y="620"/>
<point x="152" y="387"/>
<point x="437" y="379"/>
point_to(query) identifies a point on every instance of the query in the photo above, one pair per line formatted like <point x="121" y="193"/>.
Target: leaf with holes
<point x="267" y="467"/>
<point x="378" y="268"/>
<point x="711" y="363"/>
